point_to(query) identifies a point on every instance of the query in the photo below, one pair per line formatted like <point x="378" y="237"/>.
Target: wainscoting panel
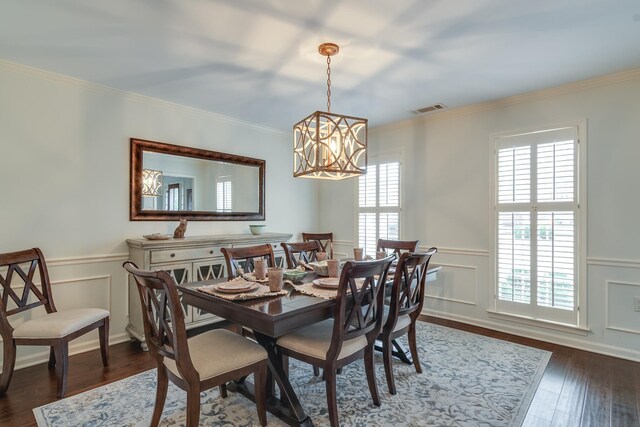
<point x="619" y="306"/>
<point x="455" y="283"/>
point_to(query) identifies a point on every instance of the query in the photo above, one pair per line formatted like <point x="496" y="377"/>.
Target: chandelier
<point x="151" y="182"/>
<point x="328" y="145"/>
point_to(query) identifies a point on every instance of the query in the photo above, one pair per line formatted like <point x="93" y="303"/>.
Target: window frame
<point x="385" y="156"/>
<point x="580" y="313"/>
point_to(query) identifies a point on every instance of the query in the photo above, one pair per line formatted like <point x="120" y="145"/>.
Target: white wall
<point x="64" y="174"/>
<point x="447" y="160"/>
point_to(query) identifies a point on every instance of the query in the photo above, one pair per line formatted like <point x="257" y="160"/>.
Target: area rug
<point x="467" y="380"/>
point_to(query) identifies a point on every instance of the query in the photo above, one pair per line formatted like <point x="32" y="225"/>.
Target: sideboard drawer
<point x="170" y="255"/>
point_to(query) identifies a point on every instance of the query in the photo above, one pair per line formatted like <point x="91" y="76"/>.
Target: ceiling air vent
<point x="434" y="107"/>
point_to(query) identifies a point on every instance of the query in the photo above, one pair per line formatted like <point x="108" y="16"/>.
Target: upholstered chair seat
<point x="59" y="324"/>
<point x="219" y="351"/>
<point x="315" y="340"/>
<point x="403" y="321"/>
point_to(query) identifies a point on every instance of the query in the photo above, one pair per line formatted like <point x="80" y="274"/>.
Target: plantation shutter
<point x="378" y="203"/>
<point x="536" y="211"/>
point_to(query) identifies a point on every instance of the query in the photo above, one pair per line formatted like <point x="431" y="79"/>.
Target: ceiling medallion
<point x="328" y="145"/>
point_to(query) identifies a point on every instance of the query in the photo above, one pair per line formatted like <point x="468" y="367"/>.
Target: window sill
<point x="560" y="327"/>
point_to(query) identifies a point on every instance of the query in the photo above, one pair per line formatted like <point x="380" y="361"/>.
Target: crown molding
<point x="568" y="88"/>
<point x="73" y="81"/>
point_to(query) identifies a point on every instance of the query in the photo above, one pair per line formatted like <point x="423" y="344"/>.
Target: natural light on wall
<point x="536" y="215"/>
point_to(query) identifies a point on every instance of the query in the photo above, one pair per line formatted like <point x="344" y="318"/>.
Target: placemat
<point x="251" y="277"/>
<point x="324" y="293"/>
<point x="262" y="292"/>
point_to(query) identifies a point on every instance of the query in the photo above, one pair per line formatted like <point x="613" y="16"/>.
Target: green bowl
<point x="256" y="228"/>
<point x="293" y="275"/>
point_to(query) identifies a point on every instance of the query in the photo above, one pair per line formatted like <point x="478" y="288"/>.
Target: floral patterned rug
<point x="467" y="380"/>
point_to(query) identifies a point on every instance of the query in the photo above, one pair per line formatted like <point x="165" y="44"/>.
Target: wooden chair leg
<point x="61" y="351"/>
<point x="193" y="406"/>
<point x="388" y="363"/>
<point x="161" y="395"/>
<point x="371" y="374"/>
<point x="414" y="347"/>
<point x="261" y="388"/>
<point x="52" y="358"/>
<point x="103" y="332"/>
<point x="8" y="363"/>
<point x="316" y="371"/>
<point x="285" y="364"/>
<point x="332" y="403"/>
<point x="223" y="390"/>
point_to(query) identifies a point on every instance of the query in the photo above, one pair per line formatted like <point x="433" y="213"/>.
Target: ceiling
<point x="257" y="60"/>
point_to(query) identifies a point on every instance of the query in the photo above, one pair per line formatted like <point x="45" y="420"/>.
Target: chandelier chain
<point x="328" y="84"/>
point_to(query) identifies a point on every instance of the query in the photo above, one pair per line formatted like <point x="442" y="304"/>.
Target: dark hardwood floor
<point x="578" y="388"/>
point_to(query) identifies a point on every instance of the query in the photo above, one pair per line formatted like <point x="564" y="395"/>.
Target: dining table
<point x="268" y="319"/>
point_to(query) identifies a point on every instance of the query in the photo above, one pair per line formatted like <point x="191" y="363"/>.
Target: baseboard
<point x="605" y="349"/>
<point x="43" y="356"/>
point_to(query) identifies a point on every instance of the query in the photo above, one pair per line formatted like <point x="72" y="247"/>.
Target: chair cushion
<point x="403" y="321"/>
<point x="59" y="324"/>
<point x="315" y="340"/>
<point x="219" y="351"/>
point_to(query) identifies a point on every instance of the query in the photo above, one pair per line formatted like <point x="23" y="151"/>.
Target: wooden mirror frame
<point x="136" y="213"/>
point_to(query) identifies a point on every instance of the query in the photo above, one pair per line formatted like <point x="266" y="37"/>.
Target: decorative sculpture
<point x="180" y="229"/>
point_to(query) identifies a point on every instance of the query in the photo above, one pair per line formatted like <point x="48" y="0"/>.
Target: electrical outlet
<point x="636" y="304"/>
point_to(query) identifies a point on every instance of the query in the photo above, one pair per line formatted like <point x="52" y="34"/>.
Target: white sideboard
<point x="190" y="259"/>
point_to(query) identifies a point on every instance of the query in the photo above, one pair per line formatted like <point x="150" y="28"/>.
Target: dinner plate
<point x="235" y="289"/>
<point x="327" y="282"/>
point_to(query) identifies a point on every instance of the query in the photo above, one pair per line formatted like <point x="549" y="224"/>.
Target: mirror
<point x="169" y="182"/>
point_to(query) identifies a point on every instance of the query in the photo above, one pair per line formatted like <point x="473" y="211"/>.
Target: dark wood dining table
<point x="270" y="318"/>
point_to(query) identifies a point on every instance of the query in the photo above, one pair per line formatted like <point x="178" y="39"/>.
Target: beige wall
<point x="447" y="176"/>
<point x="64" y="174"/>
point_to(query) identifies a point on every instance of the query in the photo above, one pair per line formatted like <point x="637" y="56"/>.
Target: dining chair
<point x="300" y="251"/>
<point x="19" y="294"/>
<point x="407" y="298"/>
<point x="397" y="247"/>
<point x="351" y="334"/>
<point x="241" y="259"/>
<point x="324" y="239"/>
<point x="195" y="364"/>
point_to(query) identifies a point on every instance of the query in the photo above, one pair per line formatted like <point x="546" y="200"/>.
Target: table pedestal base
<point x="398" y="350"/>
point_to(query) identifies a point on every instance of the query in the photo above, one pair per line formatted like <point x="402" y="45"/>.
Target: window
<point x="173" y="197"/>
<point x="537" y="224"/>
<point x="224" y="196"/>
<point x="378" y="203"/>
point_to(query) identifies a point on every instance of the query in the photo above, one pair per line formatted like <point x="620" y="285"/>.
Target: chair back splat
<point x="163" y="317"/>
<point x="359" y="303"/>
<point x="325" y="240"/>
<point x="301" y="252"/>
<point x="397" y="247"/>
<point x="20" y="295"/>
<point x="241" y="259"/>
<point x="407" y="294"/>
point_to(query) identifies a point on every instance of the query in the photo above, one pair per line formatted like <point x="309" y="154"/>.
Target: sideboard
<point x="189" y="259"/>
